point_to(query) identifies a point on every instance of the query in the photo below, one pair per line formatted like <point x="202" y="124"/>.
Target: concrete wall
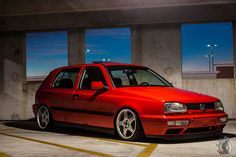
<point x="234" y="49"/>
<point x="224" y="89"/>
<point x="159" y="47"/>
<point x="12" y="76"/>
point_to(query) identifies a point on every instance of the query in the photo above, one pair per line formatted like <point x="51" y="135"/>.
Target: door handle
<point x="75" y="96"/>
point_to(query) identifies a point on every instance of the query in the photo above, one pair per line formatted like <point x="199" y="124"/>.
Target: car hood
<point x="166" y="94"/>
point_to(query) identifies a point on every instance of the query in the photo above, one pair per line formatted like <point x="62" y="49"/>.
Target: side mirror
<point x="97" y="85"/>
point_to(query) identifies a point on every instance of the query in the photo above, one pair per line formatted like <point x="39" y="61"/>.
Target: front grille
<point x="174" y="131"/>
<point x="197" y="106"/>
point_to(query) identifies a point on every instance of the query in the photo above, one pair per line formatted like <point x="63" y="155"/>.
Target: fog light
<point x="177" y="123"/>
<point x="223" y="119"/>
<point x="182" y="122"/>
<point x="171" y="123"/>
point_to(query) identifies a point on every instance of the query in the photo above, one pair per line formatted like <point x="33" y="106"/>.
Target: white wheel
<point x="127" y="125"/>
<point x="44" y="118"/>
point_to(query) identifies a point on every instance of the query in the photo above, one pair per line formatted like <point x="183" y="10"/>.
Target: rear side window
<point x="66" y="78"/>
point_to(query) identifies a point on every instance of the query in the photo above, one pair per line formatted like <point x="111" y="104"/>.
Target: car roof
<point x="99" y="63"/>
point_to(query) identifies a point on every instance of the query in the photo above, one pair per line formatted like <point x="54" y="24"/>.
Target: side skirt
<point x="85" y="127"/>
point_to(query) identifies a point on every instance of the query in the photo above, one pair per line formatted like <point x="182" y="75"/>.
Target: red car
<point x="130" y="99"/>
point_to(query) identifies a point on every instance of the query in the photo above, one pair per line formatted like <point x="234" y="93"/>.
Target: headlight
<point x="174" y="107"/>
<point x="219" y="106"/>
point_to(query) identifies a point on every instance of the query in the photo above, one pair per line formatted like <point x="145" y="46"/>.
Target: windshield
<point x="132" y="76"/>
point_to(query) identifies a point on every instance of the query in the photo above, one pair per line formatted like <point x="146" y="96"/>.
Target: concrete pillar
<point x="159" y="47"/>
<point x="136" y="46"/>
<point x="12" y="76"/>
<point x="76" y="46"/>
<point x="234" y="49"/>
<point x="233" y="107"/>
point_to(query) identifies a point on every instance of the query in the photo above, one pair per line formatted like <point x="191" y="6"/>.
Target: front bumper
<point x="188" y="136"/>
<point x="198" y="124"/>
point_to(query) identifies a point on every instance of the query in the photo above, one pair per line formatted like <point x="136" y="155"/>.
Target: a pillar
<point x="12" y="76"/>
<point x="159" y="47"/>
<point x="136" y="46"/>
<point x="233" y="109"/>
<point x="76" y="46"/>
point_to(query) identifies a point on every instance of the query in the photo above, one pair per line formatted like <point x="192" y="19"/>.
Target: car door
<point x="61" y="93"/>
<point x="92" y="106"/>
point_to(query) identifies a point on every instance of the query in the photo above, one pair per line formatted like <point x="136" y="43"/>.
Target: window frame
<point x="79" y="86"/>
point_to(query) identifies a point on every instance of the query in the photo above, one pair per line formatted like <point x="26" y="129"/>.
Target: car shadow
<point x="181" y="141"/>
<point x="31" y="125"/>
<point x="76" y="131"/>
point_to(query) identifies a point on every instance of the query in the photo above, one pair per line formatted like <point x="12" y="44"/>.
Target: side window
<point x="66" y="78"/>
<point x="91" y="74"/>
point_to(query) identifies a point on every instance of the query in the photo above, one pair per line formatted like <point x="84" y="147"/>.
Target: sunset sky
<point x="48" y="50"/>
<point x="195" y="38"/>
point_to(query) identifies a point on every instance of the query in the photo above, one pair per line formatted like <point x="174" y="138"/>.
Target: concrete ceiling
<point x="21" y="15"/>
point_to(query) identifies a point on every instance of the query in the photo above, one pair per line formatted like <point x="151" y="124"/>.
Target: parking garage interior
<point x="154" y="28"/>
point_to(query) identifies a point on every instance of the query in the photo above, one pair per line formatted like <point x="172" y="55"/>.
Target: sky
<point x="195" y="38"/>
<point x="48" y="50"/>
<point x="45" y="51"/>
<point x="113" y="44"/>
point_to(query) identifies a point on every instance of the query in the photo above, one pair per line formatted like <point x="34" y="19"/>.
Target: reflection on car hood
<point x="170" y="94"/>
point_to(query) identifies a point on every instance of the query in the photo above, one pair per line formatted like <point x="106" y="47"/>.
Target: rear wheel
<point x="44" y="118"/>
<point x="128" y="126"/>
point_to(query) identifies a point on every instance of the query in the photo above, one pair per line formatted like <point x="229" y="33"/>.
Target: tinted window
<point x="91" y="74"/>
<point x="66" y="78"/>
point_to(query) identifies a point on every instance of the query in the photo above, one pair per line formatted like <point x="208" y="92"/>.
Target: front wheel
<point x="44" y="118"/>
<point x="128" y="126"/>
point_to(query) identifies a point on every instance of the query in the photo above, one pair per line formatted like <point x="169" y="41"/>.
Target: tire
<point x="44" y="118"/>
<point x="128" y="125"/>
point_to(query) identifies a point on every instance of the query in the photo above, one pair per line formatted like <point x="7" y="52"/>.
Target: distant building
<point x="226" y="69"/>
<point x="35" y="78"/>
<point x="200" y="74"/>
<point x="223" y="70"/>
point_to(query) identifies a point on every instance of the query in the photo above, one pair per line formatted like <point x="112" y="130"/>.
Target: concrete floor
<point x="23" y="139"/>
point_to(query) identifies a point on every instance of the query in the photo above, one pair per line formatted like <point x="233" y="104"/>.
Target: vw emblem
<point x="203" y="107"/>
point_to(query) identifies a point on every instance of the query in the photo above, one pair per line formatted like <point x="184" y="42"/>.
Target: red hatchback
<point x="132" y="100"/>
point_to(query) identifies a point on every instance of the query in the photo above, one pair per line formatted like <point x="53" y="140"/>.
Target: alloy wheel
<point x="126" y="124"/>
<point x="43" y="117"/>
